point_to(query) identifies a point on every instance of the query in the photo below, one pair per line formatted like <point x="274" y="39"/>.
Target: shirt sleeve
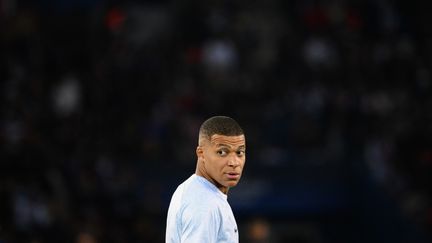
<point x="200" y="225"/>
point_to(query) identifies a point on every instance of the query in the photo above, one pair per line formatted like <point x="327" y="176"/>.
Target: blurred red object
<point x="115" y="19"/>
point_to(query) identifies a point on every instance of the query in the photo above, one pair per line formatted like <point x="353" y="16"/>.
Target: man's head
<point x="221" y="152"/>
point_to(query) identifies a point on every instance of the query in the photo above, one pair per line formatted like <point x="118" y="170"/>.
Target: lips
<point x="233" y="175"/>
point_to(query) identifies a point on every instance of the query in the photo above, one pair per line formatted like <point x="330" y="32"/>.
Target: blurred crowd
<point x="101" y="103"/>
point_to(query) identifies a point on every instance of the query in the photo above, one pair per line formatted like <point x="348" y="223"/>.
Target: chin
<point x="232" y="183"/>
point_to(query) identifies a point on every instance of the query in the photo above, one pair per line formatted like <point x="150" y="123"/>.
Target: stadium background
<point x="101" y="101"/>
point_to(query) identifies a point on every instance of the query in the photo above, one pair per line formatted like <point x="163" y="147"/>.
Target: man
<point x="199" y="211"/>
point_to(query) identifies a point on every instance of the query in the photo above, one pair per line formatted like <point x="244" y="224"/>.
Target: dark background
<point x="101" y="102"/>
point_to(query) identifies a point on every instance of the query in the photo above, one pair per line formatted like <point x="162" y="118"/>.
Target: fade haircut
<point x="221" y="125"/>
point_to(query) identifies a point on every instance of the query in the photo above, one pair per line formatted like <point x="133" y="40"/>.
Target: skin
<point x="221" y="159"/>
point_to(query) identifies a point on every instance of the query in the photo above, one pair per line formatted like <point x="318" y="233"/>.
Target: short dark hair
<point x="222" y="125"/>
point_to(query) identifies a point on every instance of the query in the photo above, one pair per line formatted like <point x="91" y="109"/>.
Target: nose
<point x="233" y="161"/>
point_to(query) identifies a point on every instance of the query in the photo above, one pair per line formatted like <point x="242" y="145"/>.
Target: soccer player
<point x="199" y="211"/>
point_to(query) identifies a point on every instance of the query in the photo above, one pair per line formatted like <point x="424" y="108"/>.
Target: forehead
<point x="234" y="141"/>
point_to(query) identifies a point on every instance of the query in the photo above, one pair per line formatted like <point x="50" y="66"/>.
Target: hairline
<point x="208" y="138"/>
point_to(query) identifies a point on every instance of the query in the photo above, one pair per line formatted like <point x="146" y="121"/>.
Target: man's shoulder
<point x="197" y="195"/>
<point x="203" y="210"/>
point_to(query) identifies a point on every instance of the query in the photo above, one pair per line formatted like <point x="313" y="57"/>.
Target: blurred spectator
<point x="84" y="237"/>
<point x="259" y="231"/>
<point x="67" y="96"/>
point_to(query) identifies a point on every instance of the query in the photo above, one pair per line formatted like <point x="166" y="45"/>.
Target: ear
<point x="200" y="153"/>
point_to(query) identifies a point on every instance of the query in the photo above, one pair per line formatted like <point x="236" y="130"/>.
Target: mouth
<point x="233" y="175"/>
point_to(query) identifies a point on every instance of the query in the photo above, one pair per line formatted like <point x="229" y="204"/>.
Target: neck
<point x="201" y="172"/>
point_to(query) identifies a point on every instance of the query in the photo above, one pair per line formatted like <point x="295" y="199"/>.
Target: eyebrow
<point x="226" y="145"/>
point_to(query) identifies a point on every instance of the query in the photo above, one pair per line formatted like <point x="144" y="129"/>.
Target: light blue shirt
<point x="199" y="213"/>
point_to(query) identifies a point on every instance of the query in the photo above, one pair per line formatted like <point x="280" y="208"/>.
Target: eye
<point x="222" y="152"/>
<point x="240" y="153"/>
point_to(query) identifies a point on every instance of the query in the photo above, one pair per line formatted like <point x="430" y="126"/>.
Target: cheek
<point x="216" y="164"/>
<point x="210" y="161"/>
<point x="242" y="163"/>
